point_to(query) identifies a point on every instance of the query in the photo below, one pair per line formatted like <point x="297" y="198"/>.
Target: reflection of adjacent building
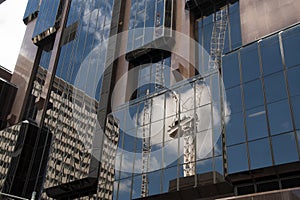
<point x="23" y="159"/>
<point x="180" y="123"/>
<point x="72" y="118"/>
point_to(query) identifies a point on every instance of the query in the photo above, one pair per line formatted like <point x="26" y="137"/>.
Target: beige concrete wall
<point x="262" y="17"/>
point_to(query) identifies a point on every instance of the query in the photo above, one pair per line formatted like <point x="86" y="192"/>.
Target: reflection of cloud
<point x="208" y="127"/>
<point x="125" y="186"/>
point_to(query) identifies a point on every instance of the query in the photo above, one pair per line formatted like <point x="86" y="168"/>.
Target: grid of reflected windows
<point x="263" y="93"/>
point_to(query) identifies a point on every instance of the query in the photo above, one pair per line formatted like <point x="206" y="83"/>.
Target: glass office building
<point x="137" y="111"/>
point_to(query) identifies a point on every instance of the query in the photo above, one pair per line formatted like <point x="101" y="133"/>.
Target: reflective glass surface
<point x="250" y="63"/>
<point x="269" y="48"/>
<point x="32" y="6"/>
<point x="47" y="16"/>
<point x="280" y="117"/>
<point x="291" y="42"/>
<point x="235" y="26"/>
<point x="231" y="70"/>
<point x="256" y="123"/>
<point x="148" y="19"/>
<point x="235" y="132"/>
<point x="293" y="75"/>
<point x="253" y="94"/>
<point x="260" y="153"/>
<point x="275" y="87"/>
<point x="234" y="99"/>
<point x="237" y="158"/>
<point x="296" y="110"/>
<point x="289" y="153"/>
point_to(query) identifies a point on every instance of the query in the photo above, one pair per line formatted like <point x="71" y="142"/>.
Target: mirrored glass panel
<point x="275" y="87"/>
<point x="235" y="131"/>
<point x="231" y="70"/>
<point x="293" y="80"/>
<point x="253" y="94"/>
<point x="284" y="148"/>
<point x="250" y="63"/>
<point x="296" y="110"/>
<point x="237" y="158"/>
<point x="234" y="99"/>
<point x="256" y="123"/>
<point x="270" y="55"/>
<point x="260" y="153"/>
<point x="124" y="189"/>
<point x="280" y="117"/>
<point x="291" y="43"/>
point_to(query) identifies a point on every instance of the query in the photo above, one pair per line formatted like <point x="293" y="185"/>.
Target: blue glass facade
<point x="167" y="157"/>
<point x="148" y="20"/>
<point x="32" y="7"/>
<point x="261" y="90"/>
<point x="240" y="118"/>
<point x="75" y="65"/>
<point x="47" y="16"/>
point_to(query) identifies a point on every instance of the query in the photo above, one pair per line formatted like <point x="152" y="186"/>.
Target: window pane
<point x="253" y="94"/>
<point x="296" y="110"/>
<point x="260" y="154"/>
<point x="231" y="70"/>
<point x="293" y="80"/>
<point x="137" y="182"/>
<point x="237" y="158"/>
<point x="291" y="43"/>
<point x="235" y="132"/>
<point x="275" y="87"/>
<point x="256" y="123"/>
<point x="271" y="57"/>
<point x="124" y="189"/>
<point x="284" y="147"/>
<point x="234" y="98"/>
<point x="168" y="175"/>
<point x="279" y="117"/>
<point x="235" y="25"/>
<point x="204" y="166"/>
<point x="154" y="182"/>
<point x="250" y="63"/>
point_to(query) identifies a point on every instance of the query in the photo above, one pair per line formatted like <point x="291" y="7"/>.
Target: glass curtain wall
<point x="184" y="126"/>
<point x="75" y="92"/>
<point x="148" y="21"/>
<point x="261" y="88"/>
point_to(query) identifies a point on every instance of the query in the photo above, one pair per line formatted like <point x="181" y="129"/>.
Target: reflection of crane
<point x="146" y="149"/>
<point x="159" y="84"/>
<point x="217" y="39"/>
<point x="184" y="126"/>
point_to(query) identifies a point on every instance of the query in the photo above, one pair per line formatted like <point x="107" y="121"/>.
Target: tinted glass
<point x="275" y="87"/>
<point x="279" y="117"/>
<point x="235" y="132"/>
<point x="270" y="53"/>
<point x="32" y="6"/>
<point x="234" y="99"/>
<point x="256" y="123"/>
<point x="296" y="110"/>
<point x="260" y="154"/>
<point x="285" y="149"/>
<point x="250" y="63"/>
<point x="293" y="80"/>
<point x="231" y="70"/>
<point x="237" y="158"/>
<point x="235" y="25"/>
<point x="253" y="94"/>
<point x="291" y="43"/>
